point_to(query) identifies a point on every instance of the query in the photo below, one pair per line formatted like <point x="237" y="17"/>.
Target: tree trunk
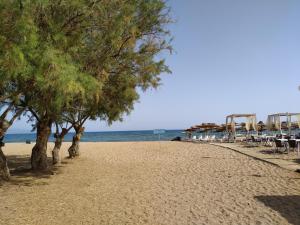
<point x="4" y="125"/>
<point x="39" y="151"/>
<point x="56" y="159"/>
<point x="74" y="149"/>
<point x="4" y="171"/>
<point x="55" y="152"/>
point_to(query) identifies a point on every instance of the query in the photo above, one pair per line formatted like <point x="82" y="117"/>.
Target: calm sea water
<point x="114" y="136"/>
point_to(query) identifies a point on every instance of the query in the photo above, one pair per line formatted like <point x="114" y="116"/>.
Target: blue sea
<point x="112" y="136"/>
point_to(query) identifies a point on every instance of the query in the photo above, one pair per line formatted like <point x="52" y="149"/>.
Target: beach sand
<point x="150" y="183"/>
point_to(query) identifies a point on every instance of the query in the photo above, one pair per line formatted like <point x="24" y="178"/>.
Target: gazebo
<point x="231" y="124"/>
<point x="274" y="121"/>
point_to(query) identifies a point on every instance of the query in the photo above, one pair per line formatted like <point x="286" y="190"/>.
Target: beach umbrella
<point x="221" y="128"/>
<point x="207" y="126"/>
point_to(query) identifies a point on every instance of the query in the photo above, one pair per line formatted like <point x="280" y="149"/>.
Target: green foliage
<point x="86" y="57"/>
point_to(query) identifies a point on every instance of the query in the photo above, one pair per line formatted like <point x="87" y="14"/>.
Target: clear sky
<point x="232" y="56"/>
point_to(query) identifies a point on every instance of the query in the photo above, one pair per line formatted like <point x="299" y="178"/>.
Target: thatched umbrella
<point x="189" y="131"/>
<point x="210" y="126"/>
<point x="221" y="128"/>
<point x="207" y="127"/>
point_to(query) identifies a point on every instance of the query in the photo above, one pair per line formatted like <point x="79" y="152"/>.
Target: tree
<point x="12" y="72"/>
<point x="64" y="85"/>
<point x="5" y="123"/>
<point x="118" y="97"/>
<point x="59" y="137"/>
<point x="66" y="53"/>
<point x="130" y="62"/>
<point x="122" y="57"/>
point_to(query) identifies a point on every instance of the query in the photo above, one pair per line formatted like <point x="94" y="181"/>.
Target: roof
<point x="241" y="115"/>
<point x="285" y="114"/>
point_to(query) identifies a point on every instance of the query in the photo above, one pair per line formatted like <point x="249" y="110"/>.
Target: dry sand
<point x="151" y="183"/>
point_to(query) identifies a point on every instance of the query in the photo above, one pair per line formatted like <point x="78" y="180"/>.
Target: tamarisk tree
<point x="36" y="53"/>
<point x="124" y="40"/>
<point x="126" y="59"/>
<point x="5" y="123"/>
<point x="83" y="54"/>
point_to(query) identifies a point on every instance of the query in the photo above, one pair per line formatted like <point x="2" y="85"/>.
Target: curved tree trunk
<point x="39" y="151"/>
<point x="74" y="148"/>
<point x="4" y="171"/>
<point x="56" y="150"/>
<point x="4" y="125"/>
<point x="56" y="159"/>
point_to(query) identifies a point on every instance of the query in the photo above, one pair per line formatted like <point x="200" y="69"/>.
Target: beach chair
<point x="224" y="138"/>
<point x="256" y="141"/>
<point x="213" y="138"/>
<point x="279" y="145"/>
<point x="206" y="138"/>
<point x="194" y="138"/>
<point x="200" y="138"/>
<point x="292" y="144"/>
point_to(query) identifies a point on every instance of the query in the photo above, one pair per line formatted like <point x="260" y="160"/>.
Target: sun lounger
<point x="292" y="143"/>
<point x="280" y="144"/>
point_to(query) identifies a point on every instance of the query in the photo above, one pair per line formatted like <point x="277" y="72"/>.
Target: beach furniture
<point x="206" y="138"/>
<point x="298" y="146"/>
<point x="255" y="141"/>
<point x="275" y="123"/>
<point x="292" y="144"/>
<point x="232" y="126"/>
<point x="223" y="139"/>
<point x="213" y="138"/>
<point x="268" y="141"/>
<point x="280" y="144"/>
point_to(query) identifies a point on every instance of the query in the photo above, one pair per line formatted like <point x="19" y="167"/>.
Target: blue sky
<point x="232" y="56"/>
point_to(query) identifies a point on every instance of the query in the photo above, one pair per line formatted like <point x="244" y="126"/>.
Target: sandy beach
<point x="150" y="183"/>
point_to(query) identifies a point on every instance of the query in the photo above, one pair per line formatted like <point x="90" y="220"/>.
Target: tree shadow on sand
<point x="296" y="160"/>
<point x="22" y="175"/>
<point x="287" y="206"/>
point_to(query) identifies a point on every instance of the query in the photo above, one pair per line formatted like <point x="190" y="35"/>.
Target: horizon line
<point x="33" y="132"/>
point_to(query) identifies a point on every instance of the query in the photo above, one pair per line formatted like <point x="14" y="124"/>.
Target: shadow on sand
<point x="287" y="206"/>
<point x="22" y="175"/>
<point x="271" y="152"/>
<point x="296" y="161"/>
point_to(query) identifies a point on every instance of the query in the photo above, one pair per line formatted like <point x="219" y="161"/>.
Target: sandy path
<point x="153" y="183"/>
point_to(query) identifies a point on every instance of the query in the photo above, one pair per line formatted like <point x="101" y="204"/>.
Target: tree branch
<point x="18" y="113"/>
<point x="34" y="114"/>
<point x="4" y="114"/>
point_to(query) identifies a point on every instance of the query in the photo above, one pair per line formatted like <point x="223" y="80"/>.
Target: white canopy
<point x="274" y="121"/>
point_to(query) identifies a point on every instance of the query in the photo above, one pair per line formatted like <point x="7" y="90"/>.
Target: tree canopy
<point x="87" y="57"/>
